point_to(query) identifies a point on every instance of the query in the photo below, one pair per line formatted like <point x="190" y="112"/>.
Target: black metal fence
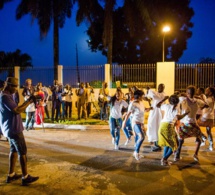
<point x="199" y="75"/>
<point x="91" y="74"/>
<point x="141" y="75"/>
<point x="37" y="74"/>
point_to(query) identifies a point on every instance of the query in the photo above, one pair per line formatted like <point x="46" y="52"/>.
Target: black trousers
<point x="46" y="111"/>
<point x="88" y="109"/>
<point x="68" y="109"/>
<point x="55" y="109"/>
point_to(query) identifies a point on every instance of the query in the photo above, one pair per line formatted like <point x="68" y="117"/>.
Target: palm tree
<point x="10" y="59"/>
<point x="46" y="12"/>
<point x="91" y="10"/>
<point x="2" y="2"/>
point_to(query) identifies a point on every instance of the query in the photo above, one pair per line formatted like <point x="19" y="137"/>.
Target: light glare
<point x="166" y="29"/>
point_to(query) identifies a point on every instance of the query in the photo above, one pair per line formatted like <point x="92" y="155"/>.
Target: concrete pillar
<point x="166" y="75"/>
<point x="17" y="74"/>
<point x="60" y="74"/>
<point x="108" y="75"/>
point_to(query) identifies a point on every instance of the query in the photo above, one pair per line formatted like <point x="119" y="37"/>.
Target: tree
<point x="137" y="31"/>
<point x="46" y="12"/>
<point x="10" y="59"/>
<point x="207" y="60"/>
<point x="2" y="2"/>
<point x="101" y="16"/>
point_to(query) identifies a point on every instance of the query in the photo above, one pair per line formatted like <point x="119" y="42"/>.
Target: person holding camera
<point x="103" y="101"/>
<point x="46" y="100"/>
<point x="68" y="101"/>
<point x="56" y="102"/>
<point x="90" y="91"/>
<point x="12" y="128"/>
<point x="82" y="100"/>
<point x="30" y="110"/>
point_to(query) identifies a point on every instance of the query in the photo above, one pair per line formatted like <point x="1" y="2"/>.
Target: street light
<point x="165" y="29"/>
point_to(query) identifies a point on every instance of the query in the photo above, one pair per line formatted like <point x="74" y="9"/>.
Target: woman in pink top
<point x="39" y="116"/>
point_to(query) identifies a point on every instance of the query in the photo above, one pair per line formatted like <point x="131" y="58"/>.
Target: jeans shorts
<point x="17" y="144"/>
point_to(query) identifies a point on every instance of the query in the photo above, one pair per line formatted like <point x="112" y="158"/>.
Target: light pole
<point x="165" y="29"/>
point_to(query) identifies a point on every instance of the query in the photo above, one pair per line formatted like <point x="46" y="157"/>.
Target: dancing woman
<point x="166" y="131"/>
<point x="207" y="118"/>
<point x="189" y="127"/>
<point x="128" y="128"/>
<point x="200" y="93"/>
<point x="137" y="109"/>
<point x="115" y="119"/>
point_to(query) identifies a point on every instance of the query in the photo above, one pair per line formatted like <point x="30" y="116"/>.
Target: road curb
<point x="71" y="127"/>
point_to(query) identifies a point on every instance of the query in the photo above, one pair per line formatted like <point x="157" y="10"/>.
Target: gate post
<point x="60" y="74"/>
<point x="17" y="74"/>
<point x="166" y="75"/>
<point x="108" y="75"/>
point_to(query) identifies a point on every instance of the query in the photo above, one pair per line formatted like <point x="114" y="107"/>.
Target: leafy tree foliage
<point x="138" y="36"/>
<point x="101" y="15"/>
<point x="207" y="60"/>
<point x="10" y="59"/>
<point x="2" y="2"/>
<point x="46" y="12"/>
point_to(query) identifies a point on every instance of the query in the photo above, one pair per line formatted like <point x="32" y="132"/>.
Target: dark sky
<point x="23" y="35"/>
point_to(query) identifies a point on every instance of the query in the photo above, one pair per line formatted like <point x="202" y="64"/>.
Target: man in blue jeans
<point x="12" y="128"/>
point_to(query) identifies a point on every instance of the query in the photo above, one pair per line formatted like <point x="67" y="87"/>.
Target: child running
<point x="115" y="119"/>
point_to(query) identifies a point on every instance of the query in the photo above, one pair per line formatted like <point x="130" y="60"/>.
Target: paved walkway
<point x="85" y="162"/>
<point x="71" y="127"/>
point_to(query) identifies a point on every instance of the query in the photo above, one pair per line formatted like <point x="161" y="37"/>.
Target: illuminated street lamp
<point x="165" y="29"/>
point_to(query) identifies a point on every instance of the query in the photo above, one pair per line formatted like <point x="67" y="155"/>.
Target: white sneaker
<point x="211" y="148"/>
<point x="204" y="138"/>
<point x="127" y="141"/>
<point x="203" y="143"/>
<point x="164" y="162"/>
<point x="113" y="140"/>
<point x="136" y="155"/>
<point x="116" y="147"/>
<point x="195" y="157"/>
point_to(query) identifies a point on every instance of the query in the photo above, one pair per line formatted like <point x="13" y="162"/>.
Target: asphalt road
<point x="85" y="162"/>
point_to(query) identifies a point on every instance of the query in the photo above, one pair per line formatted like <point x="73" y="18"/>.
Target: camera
<point x="38" y="97"/>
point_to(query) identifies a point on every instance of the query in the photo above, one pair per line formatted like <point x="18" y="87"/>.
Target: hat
<point x="12" y="81"/>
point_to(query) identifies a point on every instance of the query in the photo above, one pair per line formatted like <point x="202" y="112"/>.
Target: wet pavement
<point x="84" y="162"/>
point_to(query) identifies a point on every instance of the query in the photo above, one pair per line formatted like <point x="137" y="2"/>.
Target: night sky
<point x="23" y="35"/>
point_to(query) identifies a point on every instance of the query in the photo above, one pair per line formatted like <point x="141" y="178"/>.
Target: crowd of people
<point x="171" y="118"/>
<point x="61" y="98"/>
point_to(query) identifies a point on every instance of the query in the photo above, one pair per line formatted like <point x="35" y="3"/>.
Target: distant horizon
<point x="201" y="44"/>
